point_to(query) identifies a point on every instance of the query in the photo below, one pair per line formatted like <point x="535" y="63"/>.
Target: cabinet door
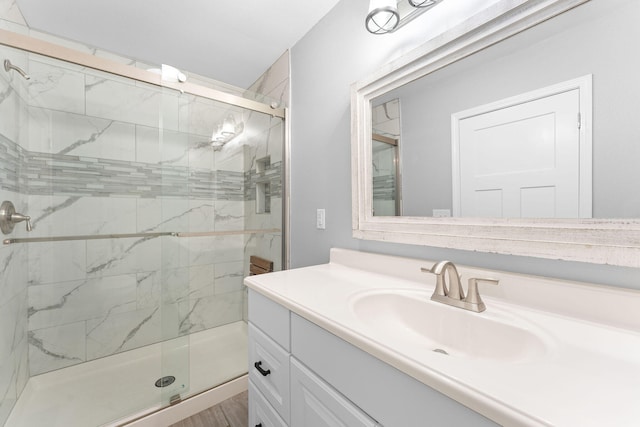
<point x="315" y="404"/>
<point x="261" y="413"/>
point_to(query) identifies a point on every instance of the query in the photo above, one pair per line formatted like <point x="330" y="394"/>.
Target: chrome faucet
<point x="453" y="294"/>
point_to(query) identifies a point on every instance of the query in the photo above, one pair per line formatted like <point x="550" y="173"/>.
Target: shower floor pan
<point x="101" y="391"/>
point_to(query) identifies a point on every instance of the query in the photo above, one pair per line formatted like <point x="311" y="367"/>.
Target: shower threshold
<point x="100" y="392"/>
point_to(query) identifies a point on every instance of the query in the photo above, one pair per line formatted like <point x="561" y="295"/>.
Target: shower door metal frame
<point x="41" y="47"/>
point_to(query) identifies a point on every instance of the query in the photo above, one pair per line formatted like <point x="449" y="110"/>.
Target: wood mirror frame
<point x="599" y="241"/>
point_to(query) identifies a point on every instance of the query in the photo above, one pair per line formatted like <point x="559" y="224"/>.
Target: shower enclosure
<point x="126" y="296"/>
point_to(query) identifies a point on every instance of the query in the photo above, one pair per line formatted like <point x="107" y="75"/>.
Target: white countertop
<point x="587" y="373"/>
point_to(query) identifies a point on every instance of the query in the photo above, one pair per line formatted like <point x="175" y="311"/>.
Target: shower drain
<point x="439" y="350"/>
<point x="165" y="381"/>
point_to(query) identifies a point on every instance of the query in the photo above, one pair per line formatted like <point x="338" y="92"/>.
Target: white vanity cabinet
<point x="329" y="382"/>
<point x="282" y="391"/>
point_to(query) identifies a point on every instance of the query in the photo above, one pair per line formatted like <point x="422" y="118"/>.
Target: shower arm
<point x="8" y="66"/>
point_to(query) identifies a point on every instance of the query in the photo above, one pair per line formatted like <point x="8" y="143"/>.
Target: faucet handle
<point x="473" y="296"/>
<point x="439" y="269"/>
<point x="441" y="288"/>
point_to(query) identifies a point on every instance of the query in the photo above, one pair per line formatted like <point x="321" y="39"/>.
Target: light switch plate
<point x="320" y="219"/>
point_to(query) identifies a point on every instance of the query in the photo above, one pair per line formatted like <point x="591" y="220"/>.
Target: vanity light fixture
<point x="423" y="3"/>
<point x="386" y="16"/>
<point x="383" y="16"/>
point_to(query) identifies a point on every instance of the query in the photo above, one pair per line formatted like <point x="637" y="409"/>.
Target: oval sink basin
<point x="405" y="317"/>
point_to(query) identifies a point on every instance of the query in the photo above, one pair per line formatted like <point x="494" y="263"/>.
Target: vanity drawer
<point x="270" y="317"/>
<point x="269" y="370"/>
<point x="260" y="412"/>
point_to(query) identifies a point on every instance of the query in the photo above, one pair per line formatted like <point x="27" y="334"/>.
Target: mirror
<point x="385" y="154"/>
<point x="512" y="155"/>
<point x="512" y="50"/>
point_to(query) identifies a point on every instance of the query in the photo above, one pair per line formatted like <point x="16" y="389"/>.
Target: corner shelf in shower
<point x="134" y="235"/>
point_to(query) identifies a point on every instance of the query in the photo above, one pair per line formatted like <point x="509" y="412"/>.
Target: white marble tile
<point x="229" y="215"/>
<point x="168" y="147"/>
<point x="171" y="321"/>
<point x="148" y="289"/>
<point x="186" y="283"/>
<point x="229" y="276"/>
<point x="132" y="103"/>
<point x="272" y="219"/>
<point x="13" y="328"/>
<point x="22" y="353"/>
<point x="267" y="142"/>
<point x="51" y="262"/>
<point x="174" y="285"/>
<point x="79" y="135"/>
<point x="124" y="256"/>
<point x="270" y="84"/>
<point x="10" y="11"/>
<point x="56" y="88"/>
<point x="163" y="214"/>
<point x="202" y="116"/>
<point x="200" y="153"/>
<point x="230" y="158"/>
<point x="175" y="252"/>
<point x="57" y="347"/>
<point x="275" y="142"/>
<point x="201" y="281"/>
<point x="74" y="301"/>
<point x="118" y="332"/>
<point x="215" y="249"/>
<point x="201" y="216"/>
<point x="209" y="312"/>
<point x="13" y="274"/>
<point x="74" y="215"/>
<point x="8" y="392"/>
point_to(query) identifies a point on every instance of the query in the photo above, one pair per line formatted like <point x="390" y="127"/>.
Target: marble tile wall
<point x="14" y="367"/>
<point x="101" y="167"/>
<point x="272" y="86"/>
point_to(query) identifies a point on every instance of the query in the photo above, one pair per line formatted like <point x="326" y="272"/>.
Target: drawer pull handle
<point x="258" y="366"/>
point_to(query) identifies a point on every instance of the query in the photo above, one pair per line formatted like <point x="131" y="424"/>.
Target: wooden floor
<point x="233" y="412"/>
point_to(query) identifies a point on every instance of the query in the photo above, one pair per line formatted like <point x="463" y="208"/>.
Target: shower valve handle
<point x="258" y="366"/>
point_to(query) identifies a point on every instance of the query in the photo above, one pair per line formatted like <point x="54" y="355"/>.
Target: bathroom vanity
<point x="358" y="342"/>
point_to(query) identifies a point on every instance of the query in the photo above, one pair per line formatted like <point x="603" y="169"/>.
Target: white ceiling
<point x="233" y="41"/>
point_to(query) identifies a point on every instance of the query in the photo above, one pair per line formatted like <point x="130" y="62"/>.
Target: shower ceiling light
<point x="386" y="16"/>
<point x="228" y="127"/>
<point x="225" y="132"/>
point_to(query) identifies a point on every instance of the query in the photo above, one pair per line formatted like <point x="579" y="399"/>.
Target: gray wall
<point x="335" y="53"/>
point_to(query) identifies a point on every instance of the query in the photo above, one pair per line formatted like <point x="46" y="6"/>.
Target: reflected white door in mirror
<point x="514" y="47"/>
<point x="528" y="156"/>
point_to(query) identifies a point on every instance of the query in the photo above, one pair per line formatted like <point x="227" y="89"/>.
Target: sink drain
<point x="165" y="381"/>
<point x="439" y="350"/>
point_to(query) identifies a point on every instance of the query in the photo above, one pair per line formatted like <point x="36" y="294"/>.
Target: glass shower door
<point x="175" y="273"/>
<point x="101" y="257"/>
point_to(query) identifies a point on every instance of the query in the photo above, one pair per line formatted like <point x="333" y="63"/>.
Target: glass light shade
<point x="228" y="127"/>
<point x="422" y="3"/>
<point x="383" y="16"/>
